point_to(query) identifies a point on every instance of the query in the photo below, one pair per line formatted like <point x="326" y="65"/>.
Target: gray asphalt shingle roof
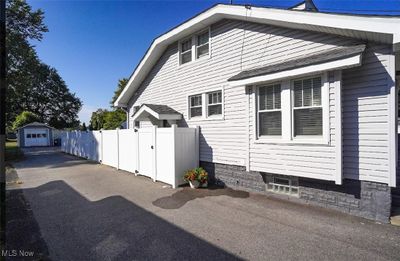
<point x="323" y="57"/>
<point x="161" y="109"/>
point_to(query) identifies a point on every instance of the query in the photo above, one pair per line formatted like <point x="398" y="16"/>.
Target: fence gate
<point x="146" y="155"/>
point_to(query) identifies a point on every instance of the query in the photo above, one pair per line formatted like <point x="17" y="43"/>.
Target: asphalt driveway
<point x="87" y="211"/>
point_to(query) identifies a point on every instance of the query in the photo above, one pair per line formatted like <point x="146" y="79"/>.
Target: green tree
<point x="24" y="118"/>
<point x="32" y="85"/>
<point x="121" y="85"/>
<point x="114" y="119"/>
<point x="97" y="119"/>
<point x="83" y="127"/>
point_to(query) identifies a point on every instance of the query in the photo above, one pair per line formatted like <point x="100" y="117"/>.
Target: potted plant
<point x="196" y="177"/>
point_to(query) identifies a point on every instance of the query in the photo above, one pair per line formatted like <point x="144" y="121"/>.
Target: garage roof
<point x="36" y="124"/>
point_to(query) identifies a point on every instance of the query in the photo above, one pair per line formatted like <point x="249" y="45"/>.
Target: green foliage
<point x="32" y="85"/>
<point x="198" y="174"/>
<point x="121" y="85"/>
<point x="107" y="120"/>
<point x="24" y="118"/>
<point x="83" y="127"/>
<point x="114" y="119"/>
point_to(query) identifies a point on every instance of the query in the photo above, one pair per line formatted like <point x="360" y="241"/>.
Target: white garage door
<point x="36" y="137"/>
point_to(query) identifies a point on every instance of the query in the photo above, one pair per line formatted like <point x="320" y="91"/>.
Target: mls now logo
<point x="11" y="253"/>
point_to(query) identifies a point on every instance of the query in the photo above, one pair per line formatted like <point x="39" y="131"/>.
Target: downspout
<point x="126" y="110"/>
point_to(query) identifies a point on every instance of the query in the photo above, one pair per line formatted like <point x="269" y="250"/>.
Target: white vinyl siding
<point x="231" y="141"/>
<point x="365" y="117"/>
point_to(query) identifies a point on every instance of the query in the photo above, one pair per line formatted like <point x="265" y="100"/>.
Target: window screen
<point x="307" y="107"/>
<point x="269" y="110"/>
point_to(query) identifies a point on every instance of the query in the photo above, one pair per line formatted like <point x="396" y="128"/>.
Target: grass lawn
<point x="13" y="152"/>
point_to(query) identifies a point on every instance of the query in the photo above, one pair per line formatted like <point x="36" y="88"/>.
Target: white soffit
<point x="371" y="28"/>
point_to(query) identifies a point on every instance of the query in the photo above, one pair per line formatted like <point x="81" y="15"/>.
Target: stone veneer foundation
<point x="366" y="199"/>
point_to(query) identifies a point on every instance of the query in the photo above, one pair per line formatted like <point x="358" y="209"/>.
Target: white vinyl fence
<point x="163" y="154"/>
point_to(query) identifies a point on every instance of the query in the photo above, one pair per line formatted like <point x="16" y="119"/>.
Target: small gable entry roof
<point x="364" y="28"/>
<point x="159" y="112"/>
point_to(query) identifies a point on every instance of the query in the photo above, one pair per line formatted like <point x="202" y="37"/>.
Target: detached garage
<point x="35" y="134"/>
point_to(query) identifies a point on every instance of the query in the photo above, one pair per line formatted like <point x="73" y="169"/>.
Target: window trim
<point x="293" y="108"/>
<point x="287" y="105"/>
<point x="181" y="53"/>
<point x="194" y="47"/>
<point x="205" y="105"/>
<point x="219" y="103"/>
<point x="197" y="106"/>
<point x="197" y="45"/>
<point x="267" y="137"/>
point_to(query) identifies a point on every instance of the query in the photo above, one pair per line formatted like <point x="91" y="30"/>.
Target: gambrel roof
<point x="366" y="28"/>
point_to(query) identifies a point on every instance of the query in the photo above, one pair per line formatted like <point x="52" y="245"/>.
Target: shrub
<point x="198" y="174"/>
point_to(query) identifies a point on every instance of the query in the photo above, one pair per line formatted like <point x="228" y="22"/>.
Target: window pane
<point x="202" y="51"/>
<point x="270" y="98"/>
<point x="270" y="123"/>
<point x="277" y="91"/>
<point x="298" y="94"/>
<point x="262" y="98"/>
<point x="307" y="92"/>
<point x="195" y="100"/>
<point x="186" y="57"/>
<point x="186" y="45"/>
<point x="202" y="38"/>
<point x="220" y="97"/>
<point x="44" y="135"/>
<point x="28" y="135"/>
<point x="195" y="112"/>
<point x="317" y="91"/>
<point x="34" y="135"/>
<point x="308" y="121"/>
<point x="214" y="109"/>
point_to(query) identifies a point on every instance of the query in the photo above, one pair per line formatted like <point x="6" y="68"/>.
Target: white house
<point x="297" y="102"/>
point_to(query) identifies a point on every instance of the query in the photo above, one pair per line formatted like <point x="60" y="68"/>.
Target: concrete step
<point x="395" y="218"/>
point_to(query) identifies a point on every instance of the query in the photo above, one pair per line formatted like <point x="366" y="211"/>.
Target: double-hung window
<point x="202" y="44"/>
<point x="269" y="110"/>
<point x="214" y="106"/>
<point x="307" y="109"/>
<point x="195" y="106"/>
<point x="186" y="51"/>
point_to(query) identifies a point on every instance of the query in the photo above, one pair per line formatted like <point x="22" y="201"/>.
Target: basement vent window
<point x="283" y="185"/>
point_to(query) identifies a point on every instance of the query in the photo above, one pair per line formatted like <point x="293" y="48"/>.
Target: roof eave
<point x="385" y="27"/>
